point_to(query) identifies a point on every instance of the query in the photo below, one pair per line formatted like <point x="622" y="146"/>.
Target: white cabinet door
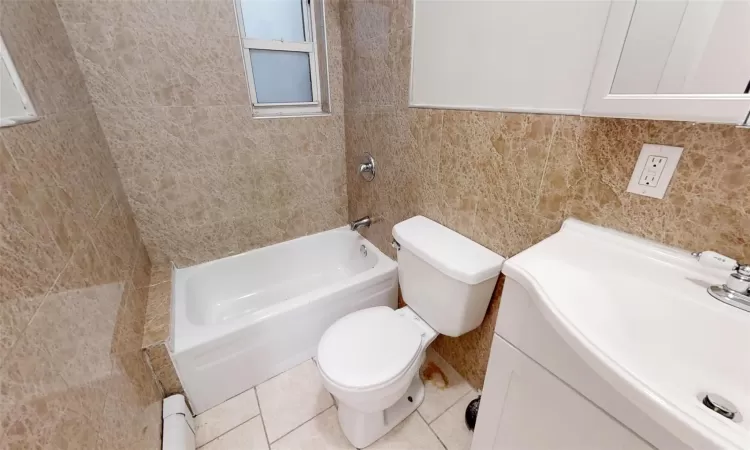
<point x="505" y="55"/>
<point x="676" y="60"/>
<point x="524" y="407"/>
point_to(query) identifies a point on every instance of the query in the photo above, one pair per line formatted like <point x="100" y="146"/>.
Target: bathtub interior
<point x="229" y="288"/>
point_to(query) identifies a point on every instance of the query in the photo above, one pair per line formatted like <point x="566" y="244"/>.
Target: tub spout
<point x="360" y="223"/>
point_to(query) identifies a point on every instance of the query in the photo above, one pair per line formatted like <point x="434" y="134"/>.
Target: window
<point x="15" y="105"/>
<point x="285" y="56"/>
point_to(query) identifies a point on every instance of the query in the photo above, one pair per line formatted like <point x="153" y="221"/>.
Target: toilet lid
<point x="368" y="348"/>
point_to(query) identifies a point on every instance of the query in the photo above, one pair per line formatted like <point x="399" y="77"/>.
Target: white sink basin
<point x="638" y="313"/>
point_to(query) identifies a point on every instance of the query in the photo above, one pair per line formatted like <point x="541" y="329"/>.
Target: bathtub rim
<point x="191" y="336"/>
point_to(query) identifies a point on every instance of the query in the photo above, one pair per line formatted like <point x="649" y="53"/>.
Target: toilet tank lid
<point x="451" y="253"/>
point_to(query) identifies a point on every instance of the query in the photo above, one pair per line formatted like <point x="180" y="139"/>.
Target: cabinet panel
<point x="524" y="407"/>
<point x="505" y="55"/>
<point x="521" y="324"/>
<point x="680" y="60"/>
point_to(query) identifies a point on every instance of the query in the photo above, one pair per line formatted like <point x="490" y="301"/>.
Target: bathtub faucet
<point x="360" y="223"/>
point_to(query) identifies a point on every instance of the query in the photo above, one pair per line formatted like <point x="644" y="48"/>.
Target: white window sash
<point x="309" y="47"/>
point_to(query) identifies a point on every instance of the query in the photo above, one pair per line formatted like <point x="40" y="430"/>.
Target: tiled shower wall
<point x="508" y="180"/>
<point x="204" y="179"/>
<point x="72" y="265"/>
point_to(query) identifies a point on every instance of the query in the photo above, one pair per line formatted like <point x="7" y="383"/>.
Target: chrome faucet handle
<point x="739" y="279"/>
<point x="367" y="168"/>
<point x="736" y="290"/>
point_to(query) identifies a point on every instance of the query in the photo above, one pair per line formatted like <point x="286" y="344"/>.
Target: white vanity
<point x="607" y="341"/>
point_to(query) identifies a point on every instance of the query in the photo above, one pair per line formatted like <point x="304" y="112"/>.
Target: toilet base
<point x="362" y="429"/>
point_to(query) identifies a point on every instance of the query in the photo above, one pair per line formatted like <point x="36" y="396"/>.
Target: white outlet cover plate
<point x="657" y="191"/>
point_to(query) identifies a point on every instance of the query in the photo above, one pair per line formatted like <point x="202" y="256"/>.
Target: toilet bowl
<point x="369" y="360"/>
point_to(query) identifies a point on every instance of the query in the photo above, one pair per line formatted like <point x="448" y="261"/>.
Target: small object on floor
<point x="431" y="372"/>
<point x="471" y="413"/>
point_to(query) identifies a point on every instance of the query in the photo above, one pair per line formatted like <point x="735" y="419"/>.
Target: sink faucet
<point x="360" y="223"/>
<point x="736" y="290"/>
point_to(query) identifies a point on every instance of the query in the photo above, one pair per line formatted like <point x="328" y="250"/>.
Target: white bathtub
<point x="241" y="320"/>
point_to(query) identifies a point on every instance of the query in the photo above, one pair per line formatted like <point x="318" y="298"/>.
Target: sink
<point x="639" y="315"/>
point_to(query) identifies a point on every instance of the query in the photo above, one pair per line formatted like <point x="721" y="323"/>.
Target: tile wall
<point x="204" y="179"/>
<point x="72" y="303"/>
<point x="508" y="180"/>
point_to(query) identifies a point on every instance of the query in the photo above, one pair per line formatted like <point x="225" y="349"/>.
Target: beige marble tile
<point x="75" y="328"/>
<point x="158" y="318"/>
<point x="438" y="396"/>
<point x="109" y="56"/>
<point x="320" y="433"/>
<point x="141" y="275"/>
<point x="37" y="40"/>
<point x="65" y="185"/>
<point x="291" y="399"/>
<point x="164" y="370"/>
<point x="249" y="435"/>
<point x="133" y="404"/>
<point x="71" y="252"/>
<point x="53" y="421"/>
<point x="129" y="324"/>
<point x="183" y="62"/>
<point x="216" y="166"/>
<point x="222" y="418"/>
<point x="451" y="427"/>
<point x="411" y="434"/>
<point x="27" y="374"/>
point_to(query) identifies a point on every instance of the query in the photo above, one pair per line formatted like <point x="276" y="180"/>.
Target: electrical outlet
<point x="656" y="163"/>
<point x="648" y="179"/>
<point x="654" y="169"/>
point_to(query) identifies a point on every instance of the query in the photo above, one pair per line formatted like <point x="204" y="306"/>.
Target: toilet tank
<point x="446" y="278"/>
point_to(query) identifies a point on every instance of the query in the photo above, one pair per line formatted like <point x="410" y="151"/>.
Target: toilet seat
<point x="368" y="349"/>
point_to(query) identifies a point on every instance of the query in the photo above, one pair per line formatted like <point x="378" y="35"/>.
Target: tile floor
<point x="293" y="411"/>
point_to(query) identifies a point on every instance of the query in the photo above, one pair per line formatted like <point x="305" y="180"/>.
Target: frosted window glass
<point x="281" y="77"/>
<point x="280" y="20"/>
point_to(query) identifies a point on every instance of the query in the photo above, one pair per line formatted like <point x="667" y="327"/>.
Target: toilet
<point x="369" y="360"/>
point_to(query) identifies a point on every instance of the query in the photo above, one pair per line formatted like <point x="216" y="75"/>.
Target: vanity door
<point x="525" y="407"/>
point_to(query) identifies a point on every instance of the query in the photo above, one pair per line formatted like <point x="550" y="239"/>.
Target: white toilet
<point x="369" y="360"/>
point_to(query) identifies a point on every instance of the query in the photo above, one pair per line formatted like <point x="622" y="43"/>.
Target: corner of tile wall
<point x="72" y="372"/>
<point x="204" y="179"/>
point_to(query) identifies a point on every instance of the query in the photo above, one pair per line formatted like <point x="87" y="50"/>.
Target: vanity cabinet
<point x="526" y="407"/>
<point x="672" y="60"/>
<point x="540" y="395"/>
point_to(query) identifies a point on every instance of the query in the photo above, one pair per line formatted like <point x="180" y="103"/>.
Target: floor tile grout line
<point x="239" y="424"/>
<point x="300" y="425"/>
<point x="230" y="430"/>
<point x="471" y="389"/>
<point x="262" y="420"/>
<point x="278" y="375"/>
<point x="269" y="442"/>
<point x="445" y="447"/>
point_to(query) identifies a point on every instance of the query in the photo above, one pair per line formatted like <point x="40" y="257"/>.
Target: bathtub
<point x="241" y="320"/>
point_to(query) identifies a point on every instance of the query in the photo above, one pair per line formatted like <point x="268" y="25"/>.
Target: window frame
<point x="309" y="46"/>
<point x="31" y="114"/>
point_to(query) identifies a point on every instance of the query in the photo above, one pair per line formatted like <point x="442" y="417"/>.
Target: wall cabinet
<point x="651" y="59"/>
